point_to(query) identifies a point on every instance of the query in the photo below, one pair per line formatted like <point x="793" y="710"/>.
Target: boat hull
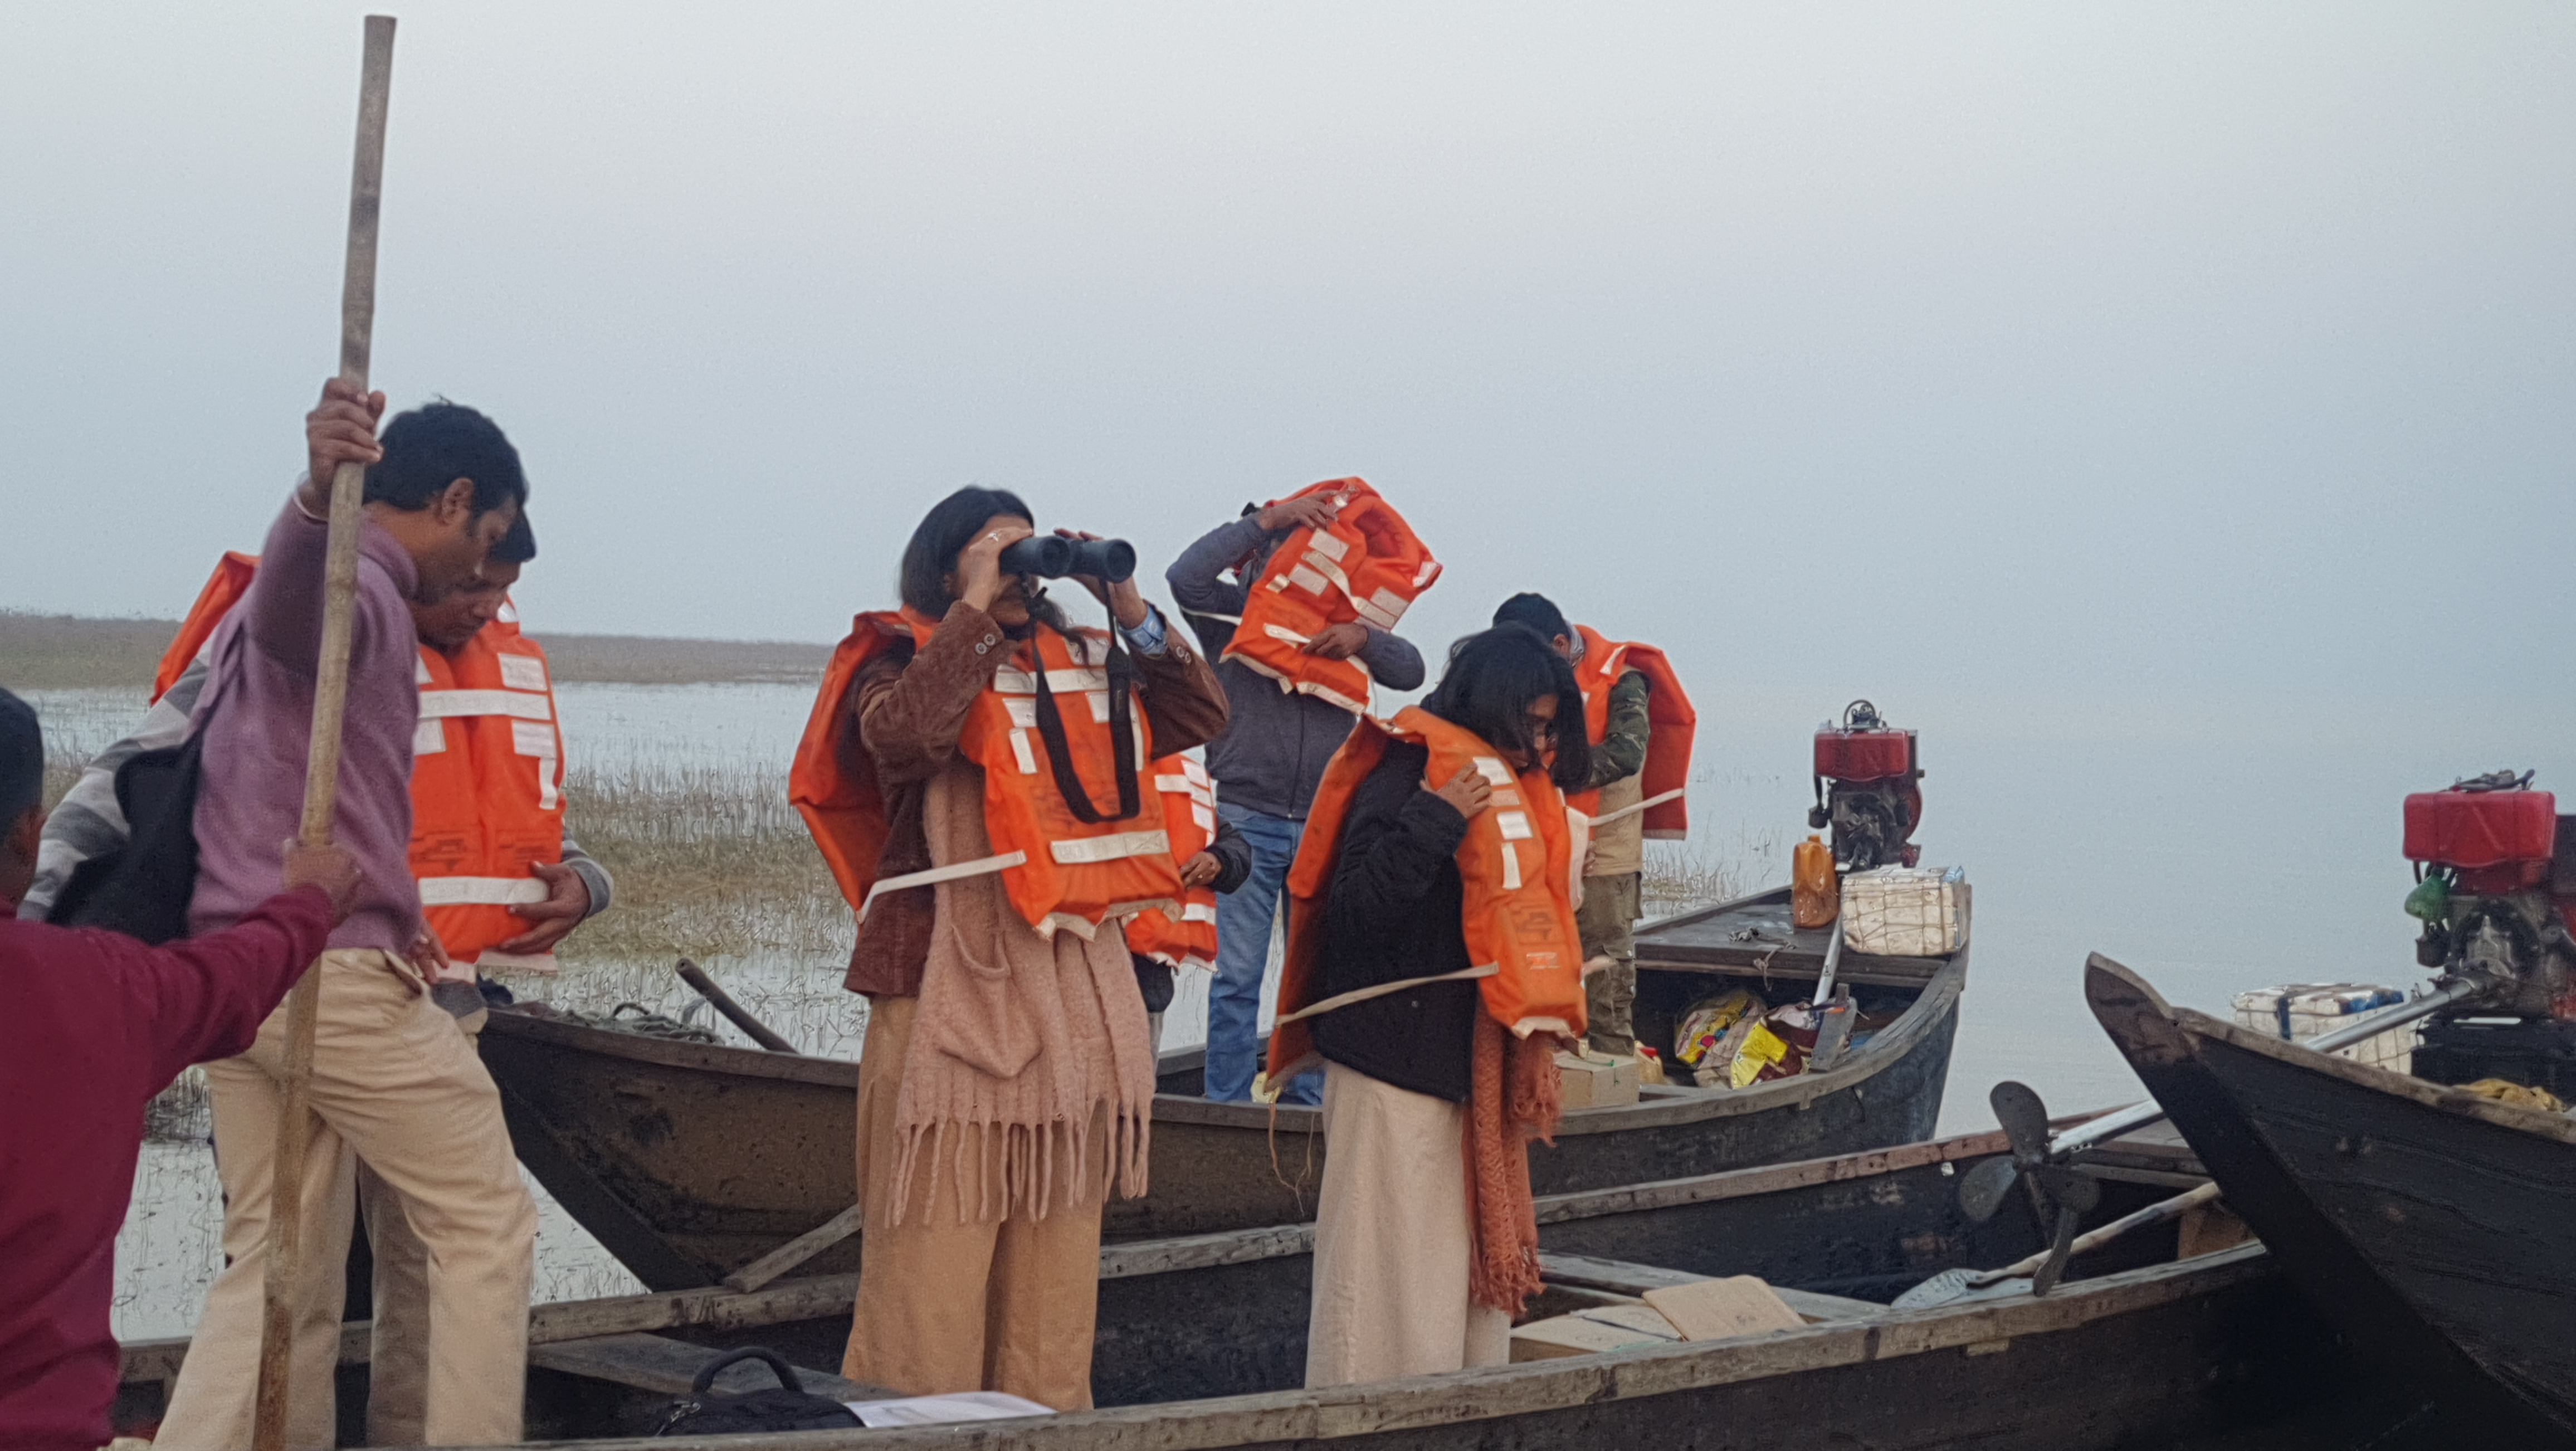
<point x="1201" y="1340"/>
<point x="2431" y="1226"/>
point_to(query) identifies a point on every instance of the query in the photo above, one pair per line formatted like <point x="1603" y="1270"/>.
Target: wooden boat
<point x="2432" y="1226"/>
<point x="689" y="1161"/>
<point x="1201" y="1338"/>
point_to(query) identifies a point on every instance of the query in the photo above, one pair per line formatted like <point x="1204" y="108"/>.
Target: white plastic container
<point x="2300" y="1011"/>
<point x="1905" y="911"/>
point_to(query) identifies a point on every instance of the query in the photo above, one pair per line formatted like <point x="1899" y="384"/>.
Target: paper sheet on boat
<point x="939" y="1410"/>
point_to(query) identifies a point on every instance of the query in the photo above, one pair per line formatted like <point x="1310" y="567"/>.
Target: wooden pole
<point x="286" y="1251"/>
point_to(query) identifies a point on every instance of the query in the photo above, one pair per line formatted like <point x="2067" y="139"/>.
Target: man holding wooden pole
<point x="392" y="1078"/>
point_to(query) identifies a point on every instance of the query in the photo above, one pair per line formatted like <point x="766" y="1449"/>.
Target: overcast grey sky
<point x="2044" y="346"/>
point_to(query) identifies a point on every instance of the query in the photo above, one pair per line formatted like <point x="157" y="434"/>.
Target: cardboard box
<point x="1595" y="1081"/>
<point x="1723" y="1309"/>
<point x="2301" y="1011"/>
<point x="1905" y="911"/>
<point x="1592" y="1332"/>
<point x="1646" y="1320"/>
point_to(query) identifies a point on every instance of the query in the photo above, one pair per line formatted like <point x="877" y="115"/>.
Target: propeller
<point x="2059" y="1196"/>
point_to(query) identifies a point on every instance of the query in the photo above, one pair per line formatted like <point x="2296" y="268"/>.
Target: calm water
<point x="2213" y="847"/>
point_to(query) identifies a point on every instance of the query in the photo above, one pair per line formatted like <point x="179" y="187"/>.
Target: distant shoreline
<point x="77" y="652"/>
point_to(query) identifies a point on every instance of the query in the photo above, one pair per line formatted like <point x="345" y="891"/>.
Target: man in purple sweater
<point x="393" y="1077"/>
<point x="97" y="1024"/>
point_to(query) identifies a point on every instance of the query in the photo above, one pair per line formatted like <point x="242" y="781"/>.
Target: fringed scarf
<point x="1514" y="1095"/>
<point x="1026" y="1050"/>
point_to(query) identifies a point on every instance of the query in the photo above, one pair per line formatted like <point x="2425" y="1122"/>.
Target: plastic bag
<point x="1776" y="1047"/>
<point x="1706" y="1025"/>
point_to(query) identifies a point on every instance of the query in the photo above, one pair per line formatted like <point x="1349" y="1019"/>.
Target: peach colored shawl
<point x="1026" y="1050"/>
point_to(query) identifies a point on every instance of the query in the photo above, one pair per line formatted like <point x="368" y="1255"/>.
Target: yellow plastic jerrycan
<point x="1815" y="895"/>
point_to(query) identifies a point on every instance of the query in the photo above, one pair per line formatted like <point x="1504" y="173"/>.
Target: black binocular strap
<point x="1122" y="731"/>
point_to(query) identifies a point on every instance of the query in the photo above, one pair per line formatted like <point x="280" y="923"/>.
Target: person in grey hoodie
<point x="1267" y="766"/>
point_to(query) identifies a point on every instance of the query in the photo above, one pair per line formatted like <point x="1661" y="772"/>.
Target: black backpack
<point x="789" y="1408"/>
<point x="143" y="888"/>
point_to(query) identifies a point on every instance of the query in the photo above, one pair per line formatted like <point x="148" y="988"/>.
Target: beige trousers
<point x="395" y="1084"/>
<point x="1392" y="1241"/>
<point x="1006" y="1305"/>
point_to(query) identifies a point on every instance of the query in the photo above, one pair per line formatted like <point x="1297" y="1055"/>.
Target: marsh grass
<point x="70" y="652"/>
<point x="712" y="864"/>
<point x="1682" y="875"/>
<point x="710" y="861"/>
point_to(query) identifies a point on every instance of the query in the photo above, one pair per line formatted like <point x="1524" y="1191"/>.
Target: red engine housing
<point x="1859" y="756"/>
<point x="2498" y="840"/>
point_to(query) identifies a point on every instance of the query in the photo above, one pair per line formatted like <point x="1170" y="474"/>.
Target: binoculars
<point x="1052" y="556"/>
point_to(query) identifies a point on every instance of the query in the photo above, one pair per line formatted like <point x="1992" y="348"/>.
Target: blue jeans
<point x="1243" y="920"/>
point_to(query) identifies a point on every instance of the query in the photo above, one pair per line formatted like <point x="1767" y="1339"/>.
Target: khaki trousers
<point x="395" y="1084"/>
<point x="1392" y="1240"/>
<point x="1608" y="920"/>
<point x="1006" y="1305"/>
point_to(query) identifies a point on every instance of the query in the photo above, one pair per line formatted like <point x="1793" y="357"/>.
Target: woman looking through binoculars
<point x="976" y="773"/>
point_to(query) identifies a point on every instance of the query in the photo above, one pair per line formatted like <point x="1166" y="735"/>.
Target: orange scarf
<point x="1514" y="1096"/>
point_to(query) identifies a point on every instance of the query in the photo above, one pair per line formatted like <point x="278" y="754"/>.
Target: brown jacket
<point x="911" y="707"/>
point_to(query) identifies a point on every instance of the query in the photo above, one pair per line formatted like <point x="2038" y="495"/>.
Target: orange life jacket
<point x="1189" y="814"/>
<point x="1365" y="566"/>
<point x="224" y="589"/>
<point x="487" y="772"/>
<point x="1671" y="724"/>
<point x="486" y="791"/>
<point x="1058" y="869"/>
<point x="1516" y="865"/>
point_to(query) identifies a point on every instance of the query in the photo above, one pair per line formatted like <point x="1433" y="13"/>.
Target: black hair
<point x="1490" y="684"/>
<point x="438" y="443"/>
<point x="943" y="534"/>
<point x="22" y="760"/>
<point x="519" y="545"/>
<point x="1536" y="611"/>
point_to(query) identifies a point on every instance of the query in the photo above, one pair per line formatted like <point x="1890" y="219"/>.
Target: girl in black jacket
<point x="1392" y="1235"/>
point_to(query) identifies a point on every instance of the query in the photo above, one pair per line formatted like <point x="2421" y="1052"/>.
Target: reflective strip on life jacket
<point x="1080" y="849"/>
<point x="517" y="704"/>
<point x="480" y="891"/>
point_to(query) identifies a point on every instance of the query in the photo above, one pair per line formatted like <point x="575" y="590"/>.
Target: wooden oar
<point x="740" y="1016"/>
<point x="286" y="1252"/>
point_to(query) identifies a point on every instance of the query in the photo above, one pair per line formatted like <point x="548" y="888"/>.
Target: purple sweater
<point x="262" y="692"/>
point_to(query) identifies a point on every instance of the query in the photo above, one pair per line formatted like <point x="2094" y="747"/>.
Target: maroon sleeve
<point x="206" y="997"/>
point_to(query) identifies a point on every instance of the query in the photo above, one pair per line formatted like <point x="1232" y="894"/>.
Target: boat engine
<point x="2495" y="893"/>
<point x="1867" y="774"/>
